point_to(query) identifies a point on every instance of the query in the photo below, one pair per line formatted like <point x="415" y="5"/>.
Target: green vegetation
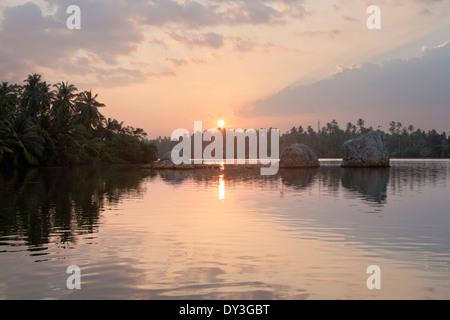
<point x="44" y="126"/>
<point x="402" y="142"/>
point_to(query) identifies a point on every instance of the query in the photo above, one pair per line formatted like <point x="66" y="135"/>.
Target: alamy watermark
<point x="74" y="280"/>
<point x="74" y="20"/>
<point x="257" y="147"/>
<point x="374" y="281"/>
<point x="374" y="20"/>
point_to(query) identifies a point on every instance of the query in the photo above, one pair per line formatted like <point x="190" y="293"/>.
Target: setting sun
<point x="221" y="123"/>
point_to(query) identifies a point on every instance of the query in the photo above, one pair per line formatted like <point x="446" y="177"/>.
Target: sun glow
<point x="221" y="123"/>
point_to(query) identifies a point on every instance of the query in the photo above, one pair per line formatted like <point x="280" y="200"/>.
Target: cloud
<point x="349" y="19"/>
<point x="217" y="12"/>
<point x="397" y="89"/>
<point x="243" y="45"/>
<point x="402" y="3"/>
<point x="177" y="62"/>
<point x="210" y="39"/>
<point x="329" y="34"/>
<point x="421" y="5"/>
<point x="34" y="37"/>
<point x="34" y="41"/>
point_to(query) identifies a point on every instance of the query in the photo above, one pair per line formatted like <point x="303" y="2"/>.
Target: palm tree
<point x="37" y="96"/>
<point x="111" y="128"/>
<point x="6" y="93"/>
<point x="310" y="130"/>
<point x="63" y="107"/>
<point x="139" y="133"/>
<point x="24" y="138"/>
<point x="65" y="95"/>
<point x="349" y="128"/>
<point x="392" y="127"/>
<point x="87" y="106"/>
<point x="399" y="127"/>
<point x="9" y="95"/>
<point x="361" y="124"/>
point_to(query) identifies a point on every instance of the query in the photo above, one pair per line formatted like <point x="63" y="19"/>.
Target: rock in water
<point x="369" y="150"/>
<point x="166" y="158"/>
<point x="299" y="156"/>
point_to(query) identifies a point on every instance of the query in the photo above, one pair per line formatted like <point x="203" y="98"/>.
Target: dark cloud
<point x="416" y="88"/>
<point x="33" y="40"/>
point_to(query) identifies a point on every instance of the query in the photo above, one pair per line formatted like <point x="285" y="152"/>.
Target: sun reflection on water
<point x="221" y="187"/>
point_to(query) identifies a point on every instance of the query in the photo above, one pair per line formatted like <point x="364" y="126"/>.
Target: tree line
<point x="44" y="124"/>
<point x="401" y="141"/>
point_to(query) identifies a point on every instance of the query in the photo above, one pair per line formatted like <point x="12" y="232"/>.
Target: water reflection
<point x="371" y="184"/>
<point x="175" y="176"/>
<point x="221" y="187"/>
<point x="226" y="234"/>
<point x="298" y="179"/>
<point x="329" y="179"/>
<point x="204" y="177"/>
<point x="57" y="205"/>
<point x="418" y="174"/>
<point x="44" y="206"/>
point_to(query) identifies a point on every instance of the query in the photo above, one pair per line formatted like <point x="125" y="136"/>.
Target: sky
<point x="162" y="64"/>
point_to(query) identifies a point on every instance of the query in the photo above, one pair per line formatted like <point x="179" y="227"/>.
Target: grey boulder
<point x="166" y="158"/>
<point x="299" y="156"/>
<point x="369" y="150"/>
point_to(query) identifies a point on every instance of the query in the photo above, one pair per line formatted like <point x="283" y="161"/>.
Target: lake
<point x="226" y="234"/>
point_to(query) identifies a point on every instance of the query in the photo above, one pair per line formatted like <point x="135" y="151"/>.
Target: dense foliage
<point x="402" y="142"/>
<point x="41" y="124"/>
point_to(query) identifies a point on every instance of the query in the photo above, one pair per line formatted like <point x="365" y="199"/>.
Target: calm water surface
<point x="232" y="234"/>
